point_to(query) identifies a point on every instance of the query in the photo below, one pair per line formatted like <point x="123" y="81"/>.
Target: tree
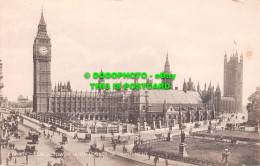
<point x="254" y="101"/>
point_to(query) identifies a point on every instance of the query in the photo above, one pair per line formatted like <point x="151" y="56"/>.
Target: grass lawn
<point x="234" y="133"/>
<point x="211" y="150"/>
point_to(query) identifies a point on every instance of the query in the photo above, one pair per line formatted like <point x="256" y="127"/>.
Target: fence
<point x="222" y="138"/>
<point x="113" y="129"/>
<point x="154" y="140"/>
<point x="177" y="157"/>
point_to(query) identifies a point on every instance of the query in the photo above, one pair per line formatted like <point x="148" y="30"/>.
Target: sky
<point x="130" y="36"/>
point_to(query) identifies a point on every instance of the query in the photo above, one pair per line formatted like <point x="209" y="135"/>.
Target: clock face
<point x="43" y="50"/>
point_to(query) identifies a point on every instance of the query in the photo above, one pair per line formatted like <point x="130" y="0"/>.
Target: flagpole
<point x="234" y="46"/>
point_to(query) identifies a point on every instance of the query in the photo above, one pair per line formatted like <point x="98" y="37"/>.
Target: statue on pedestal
<point x="182" y="145"/>
<point x="210" y="127"/>
<point x="182" y="136"/>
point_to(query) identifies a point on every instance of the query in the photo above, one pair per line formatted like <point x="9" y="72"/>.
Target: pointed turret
<point x="241" y="58"/>
<point x="225" y="58"/>
<point x="198" y="87"/>
<point x="167" y="71"/>
<point x="218" y="92"/>
<point x="167" y="65"/>
<point x="184" y="86"/>
<point x="217" y="88"/>
<point x="42" y="27"/>
<point x="42" y="21"/>
<point x="69" y="86"/>
<point x="210" y="87"/>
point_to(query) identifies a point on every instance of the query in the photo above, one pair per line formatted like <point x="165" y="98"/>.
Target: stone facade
<point x="233" y="79"/>
<point x="42" y="69"/>
<point x="153" y="107"/>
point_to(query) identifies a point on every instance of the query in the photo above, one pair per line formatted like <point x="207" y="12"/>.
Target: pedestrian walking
<point x="10" y="156"/>
<point x="26" y="157"/>
<point x="155" y="160"/>
<point x="49" y="163"/>
<point x="166" y="159"/>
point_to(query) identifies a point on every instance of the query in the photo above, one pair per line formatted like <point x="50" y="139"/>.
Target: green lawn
<point x="211" y="150"/>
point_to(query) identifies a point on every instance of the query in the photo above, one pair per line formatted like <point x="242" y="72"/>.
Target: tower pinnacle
<point x="167" y="65"/>
<point x="42" y="21"/>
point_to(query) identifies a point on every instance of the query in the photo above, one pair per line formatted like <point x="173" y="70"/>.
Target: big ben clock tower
<point x="41" y="69"/>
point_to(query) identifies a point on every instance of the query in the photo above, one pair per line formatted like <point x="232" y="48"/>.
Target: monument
<point x="210" y="128"/>
<point x="182" y="146"/>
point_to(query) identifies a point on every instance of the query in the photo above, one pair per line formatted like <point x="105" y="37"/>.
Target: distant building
<point x="23" y="101"/>
<point x="167" y="70"/>
<point x="3" y="101"/>
<point x="233" y="81"/>
<point x="158" y="107"/>
<point x="253" y="107"/>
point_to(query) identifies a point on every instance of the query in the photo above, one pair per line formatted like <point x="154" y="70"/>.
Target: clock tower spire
<point x="41" y="68"/>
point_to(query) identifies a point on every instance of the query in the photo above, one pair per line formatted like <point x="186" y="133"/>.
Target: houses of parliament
<point x="167" y="106"/>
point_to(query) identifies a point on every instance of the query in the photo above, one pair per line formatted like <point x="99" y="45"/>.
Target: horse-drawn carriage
<point x="35" y="138"/>
<point x="43" y="126"/>
<point x="30" y="149"/>
<point x="197" y="125"/>
<point x="64" y="139"/>
<point x="119" y="141"/>
<point x="19" y="152"/>
<point x="230" y="126"/>
<point x="58" y="151"/>
<point x="241" y="128"/>
<point x="205" y="122"/>
<point x="86" y="139"/>
<point x="53" y="128"/>
<point x="17" y="136"/>
<point x="4" y="142"/>
<point x="30" y="134"/>
<point x="94" y="149"/>
<point x="158" y="135"/>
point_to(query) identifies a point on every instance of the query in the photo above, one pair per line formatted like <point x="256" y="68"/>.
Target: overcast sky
<point x="129" y="35"/>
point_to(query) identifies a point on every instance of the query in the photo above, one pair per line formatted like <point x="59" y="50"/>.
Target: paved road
<point x="75" y="153"/>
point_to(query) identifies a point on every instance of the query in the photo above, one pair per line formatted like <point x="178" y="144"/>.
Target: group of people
<point x="11" y="146"/>
<point x="102" y="137"/>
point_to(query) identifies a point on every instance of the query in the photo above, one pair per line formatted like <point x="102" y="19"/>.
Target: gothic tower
<point x="41" y="69"/>
<point x="233" y="79"/>
<point x="167" y="71"/>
